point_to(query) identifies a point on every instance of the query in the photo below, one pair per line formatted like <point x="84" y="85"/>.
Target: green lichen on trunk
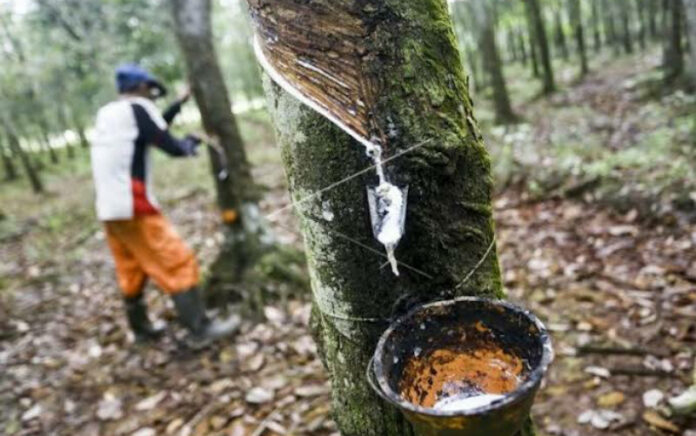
<point x="423" y="99"/>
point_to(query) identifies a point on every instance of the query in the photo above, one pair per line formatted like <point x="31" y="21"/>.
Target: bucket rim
<point x="533" y="379"/>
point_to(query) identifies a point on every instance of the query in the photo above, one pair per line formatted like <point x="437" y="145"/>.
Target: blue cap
<point x="130" y="76"/>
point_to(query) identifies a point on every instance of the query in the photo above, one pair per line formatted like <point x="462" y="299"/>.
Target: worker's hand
<point x="192" y="142"/>
<point x="185" y="94"/>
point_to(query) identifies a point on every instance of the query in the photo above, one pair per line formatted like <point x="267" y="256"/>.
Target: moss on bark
<point x="423" y="99"/>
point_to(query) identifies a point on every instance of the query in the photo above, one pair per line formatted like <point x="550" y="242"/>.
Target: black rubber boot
<point x="136" y="310"/>
<point x="202" y="330"/>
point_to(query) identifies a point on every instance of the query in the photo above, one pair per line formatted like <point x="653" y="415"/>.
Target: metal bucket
<point x="464" y="367"/>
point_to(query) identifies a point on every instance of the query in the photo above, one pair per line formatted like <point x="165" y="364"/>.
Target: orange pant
<point x="148" y="246"/>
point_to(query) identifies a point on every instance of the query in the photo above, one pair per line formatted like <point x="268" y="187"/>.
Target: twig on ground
<point x="618" y="350"/>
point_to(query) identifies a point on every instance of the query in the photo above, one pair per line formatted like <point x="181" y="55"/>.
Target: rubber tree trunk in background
<point x="579" y="33"/>
<point x="423" y="103"/>
<point x="690" y="12"/>
<point x="653" y="10"/>
<point x="483" y="20"/>
<point x="17" y="150"/>
<point x="626" y="34"/>
<point x="522" y="46"/>
<point x="7" y="164"/>
<point x="642" y="24"/>
<point x="63" y="118"/>
<point x="511" y="45"/>
<point x="608" y="6"/>
<point x="559" y="35"/>
<point x="45" y="138"/>
<point x="538" y="29"/>
<point x="237" y="194"/>
<point x="534" y="56"/>
<point x="596" y="26"/>
<point x="673" y="57"/>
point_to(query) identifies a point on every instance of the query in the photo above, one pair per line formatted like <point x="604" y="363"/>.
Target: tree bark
<point x="45" y="138"/>
<point x="578" y="31"/>
<point x="538" y="29"/>
<point x="652" y="19"/>
<point x="642" y="25"/>
<point x="422" y="96"/>
<point x="472" y="60"/>
<point x="626" y="35"/>
<point x="485" y="34"/>
<point x="27" y="165"/>
<point x="533" y="53"/>
<point x="8" y="165"/>
<point x="559" y="35"/>
<point x="84" y="143"/>
<point x="673" y="50"/>
<point x="610" y="25"/>
<point x="690" y="12"/>
<point x="511" y="45"/>
<point x="69" y="148"/>
<point x="237" y="194"/>
<point x="596" y="24"/>
<point x="523" y="46"/>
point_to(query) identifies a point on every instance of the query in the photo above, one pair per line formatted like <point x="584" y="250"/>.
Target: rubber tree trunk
<point x="642" y="24"/>
<point x="538" y="29"/>
<point x="473" y="63"/>
<point x="653" y="10"/>
<point x="69" y="148"/>
<point x="690" y="12"/>
<point x="45" y="138"/>
<point x="673" y="59"/>
<point x="237" y="193"/>
<point x="482" y="13"/>
<point x="512" y="46"/>
<point x="449" y="229"/>
<point x="462" y="27"/>
<point x="7" y="163"/>
<point x="596" y="26"/>
<point x="27" y="165"/>
<point x="578" y="31"/>
<point x="522" y="46"/>
<point x="82" y="135"/>
<point x="559" y="35"/>
<point x="626" y="34"/>
<point x="62" y="117"/>
<point x="533" y="54"/>
<point x="608" y="6"/>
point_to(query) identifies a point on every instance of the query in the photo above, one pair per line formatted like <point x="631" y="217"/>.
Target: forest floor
<point x="595" y="215"/>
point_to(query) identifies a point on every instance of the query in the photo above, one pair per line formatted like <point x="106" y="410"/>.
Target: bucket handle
<point x="370" y="375"/>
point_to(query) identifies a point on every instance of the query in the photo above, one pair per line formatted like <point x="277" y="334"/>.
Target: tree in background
<point x="642" y="25"/>
<point x="579" y="33"/>
<point x="690" y="12"/>
<point x="533" y="51"/>
<point x="7" y="164"/>
<point x="484" y="27"/>
<point x="611" y="34"/>
<point x="626" y="35"/>
<point x="653" y="9"/>
<point x="596" y="26"/>
<point x="538" y="30"/>
<point x="522" y="46"/>
<point x="673" y="51"/>
<point x="559" y="34"/>
<point x="27" y="165"/>
<point x="449" y="230"/>
<point x="237" y="193"/>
